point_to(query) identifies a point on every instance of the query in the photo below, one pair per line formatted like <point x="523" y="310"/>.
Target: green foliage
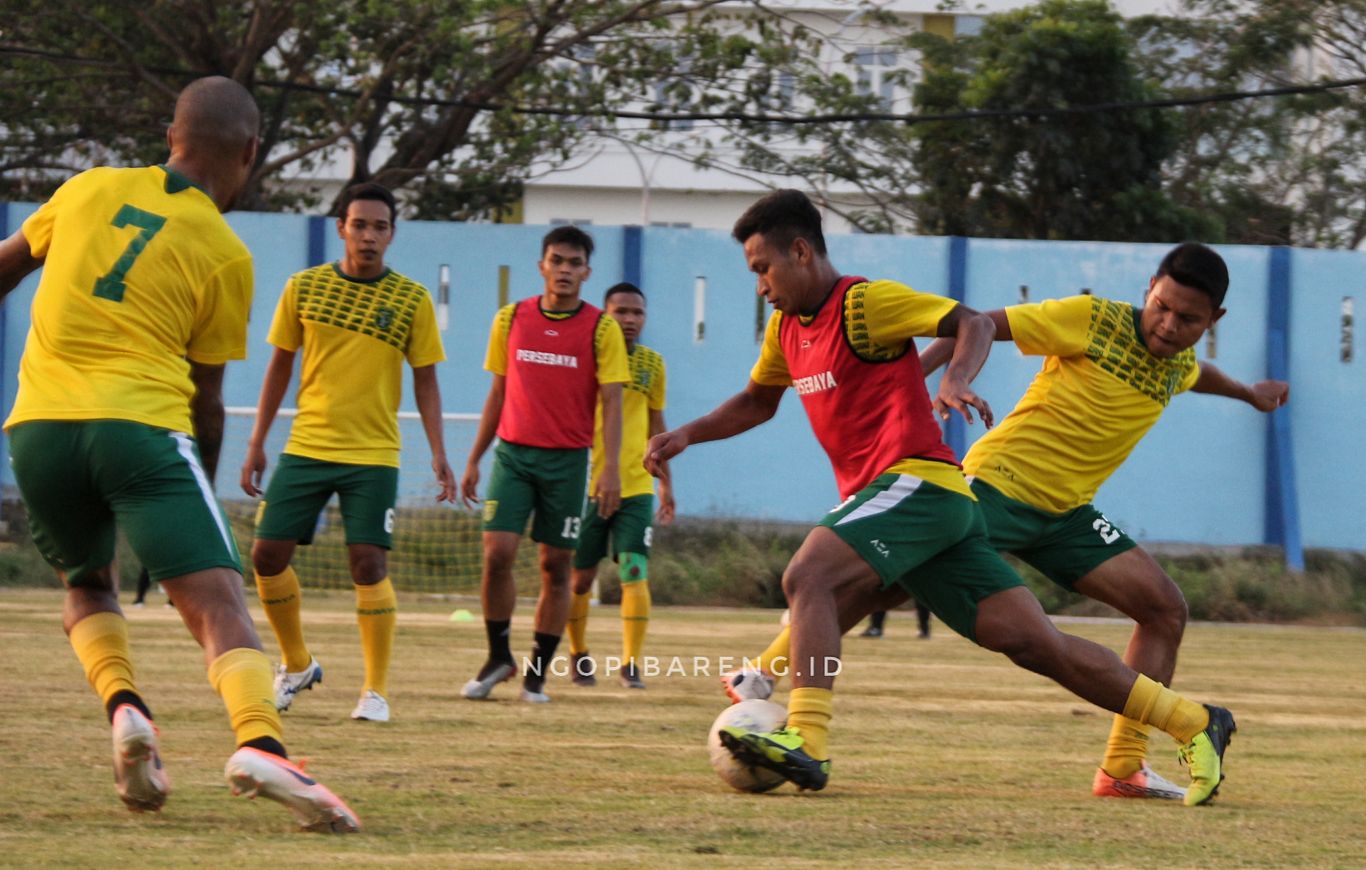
<point x="1273" y="171"/>
<point x="405" y="91"/>
<point x="1095" y="175"/>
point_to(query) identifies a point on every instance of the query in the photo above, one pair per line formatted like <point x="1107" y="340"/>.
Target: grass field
<point x="944" y="755"/>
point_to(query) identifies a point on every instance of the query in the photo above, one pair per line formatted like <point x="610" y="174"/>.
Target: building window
<point x="875" y="67"/>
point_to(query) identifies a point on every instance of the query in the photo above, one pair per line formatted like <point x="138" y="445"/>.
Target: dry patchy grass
<point x="944" y="755"/>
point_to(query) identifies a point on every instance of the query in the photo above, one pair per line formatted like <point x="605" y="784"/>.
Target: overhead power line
<point x="750" y="117"/>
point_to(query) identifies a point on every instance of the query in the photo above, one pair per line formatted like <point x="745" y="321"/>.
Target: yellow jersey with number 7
<point x="141" y="275"/>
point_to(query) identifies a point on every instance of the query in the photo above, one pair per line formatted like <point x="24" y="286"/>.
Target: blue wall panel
<point x="1199" y="476"/>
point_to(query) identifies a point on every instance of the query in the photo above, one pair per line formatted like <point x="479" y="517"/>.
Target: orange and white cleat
<point x="254" y="773"/>
<point x="139" y="778"/>
<point x="1144" y="783"/>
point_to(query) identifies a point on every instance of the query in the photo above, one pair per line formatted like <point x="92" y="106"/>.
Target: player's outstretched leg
<point x="1012" y="622"/>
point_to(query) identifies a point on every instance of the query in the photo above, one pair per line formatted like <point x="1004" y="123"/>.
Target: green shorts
<point x="547" y="481"/>
<point x="927" y="539"/>
<point x="629" y="530"/>
<point x="299" y="490"/>
<point x="82" y="479"/>
<point x="1063" y="547"/>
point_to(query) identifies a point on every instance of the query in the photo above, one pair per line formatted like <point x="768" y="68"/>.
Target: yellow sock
<point x="809" y="711"/>
<point x="774" y="660"/>
<point x="376" y="615"/>
<point x="280" y="596"/>
<point x="101" y="644"/>
<point x="635" y="618"/>
<point x="1151" y="703"/>
<point x="1126" y="748"/>
<point x="577" y="626"/>
<point x="242" y="678"/>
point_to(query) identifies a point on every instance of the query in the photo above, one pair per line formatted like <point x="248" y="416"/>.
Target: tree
<point x="1283" y="171"/>
<point x="1088" y="175"/>
<point x="455" y="103"/>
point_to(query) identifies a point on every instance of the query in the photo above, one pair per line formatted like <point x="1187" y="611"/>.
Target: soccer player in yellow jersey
<point x="118" y="423"/>
<point x="908" y="519"/>
<point x="627" y="534"/>
<point x="1109" y="371"/>
<point x="354" y="316"/>
<point x="554" y="359"/>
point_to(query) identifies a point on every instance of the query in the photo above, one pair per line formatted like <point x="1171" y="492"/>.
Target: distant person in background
<point x="554" y="360"/>
<point x="627" y="534"/>
<point x="144" y="585"/>
<point x="878" y="620"/>
<point x="144" y="298"/>
<point x="357" y="322"/>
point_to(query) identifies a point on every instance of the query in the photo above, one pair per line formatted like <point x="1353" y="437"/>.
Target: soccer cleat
<point x="139" y="778"/>
<point x="254" y="773"/>
<point x="1144" y="783"/>
<point x="630" y="677"/>
<point x="779" y="751"/>
<point x="533" y="692"/>
<point x="1205" y="756"/>
<point x="583" y="669"/>
<point x="747" y="683"/>
<point x="490" y="675"/>
<point x="372" y="707"/>
<point x="290" y="683"/>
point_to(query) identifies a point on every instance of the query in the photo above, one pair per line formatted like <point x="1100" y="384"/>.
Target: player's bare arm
<point x="16" y="262"/>
<point x="973" y="333"/>
<point x="664" y="514"/>
<point x="488" y="426"/>
<point x="206" y="414"/>
<point x="278" y="372"/>
<point x="941" y="349"/>
<point x="427" y="393"/>
<point x="756" y="404"/>
<point x="1264" y="395"/>
<point x="608" y="491"/>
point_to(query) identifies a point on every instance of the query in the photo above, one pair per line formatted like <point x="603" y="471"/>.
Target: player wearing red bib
<point x="909" y="518"/>
<point x="553" y="357"/>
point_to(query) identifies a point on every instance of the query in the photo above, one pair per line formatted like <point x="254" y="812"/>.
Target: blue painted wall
<point x="1200" y="475"/>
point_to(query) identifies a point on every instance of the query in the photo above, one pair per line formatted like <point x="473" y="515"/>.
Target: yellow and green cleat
<point x="779" y="751"/>
<point x="1204" y="755"/>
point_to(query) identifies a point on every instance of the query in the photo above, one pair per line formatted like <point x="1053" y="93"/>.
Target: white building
<point x="622" y="183"/>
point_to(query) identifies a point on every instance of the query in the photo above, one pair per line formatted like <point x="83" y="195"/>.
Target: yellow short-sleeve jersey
<point x="643" y="393"/>
<point x="1097" y="395"/>
<point x="609" y="347"/>
<point x="141" y="274"/>
<point x="880" y="318"/>
<point x="355" y="336"/>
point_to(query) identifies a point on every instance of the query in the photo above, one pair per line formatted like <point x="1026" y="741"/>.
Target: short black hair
<point x="1196" y="265"/>
<point x="367" y="190"/>
<point x="568" y="235"/>
<point x="623" y="287"/>
<point x="782" y="217"/>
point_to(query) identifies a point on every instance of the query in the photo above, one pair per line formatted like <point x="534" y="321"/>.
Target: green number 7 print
<point x="111" y="286"/>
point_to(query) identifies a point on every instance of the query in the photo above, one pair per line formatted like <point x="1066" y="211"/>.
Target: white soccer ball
<point x="751" y="715"/>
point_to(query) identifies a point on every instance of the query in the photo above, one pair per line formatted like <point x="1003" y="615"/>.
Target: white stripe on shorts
<point x="186" y="448"/>
<point x="884" y="501"/>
